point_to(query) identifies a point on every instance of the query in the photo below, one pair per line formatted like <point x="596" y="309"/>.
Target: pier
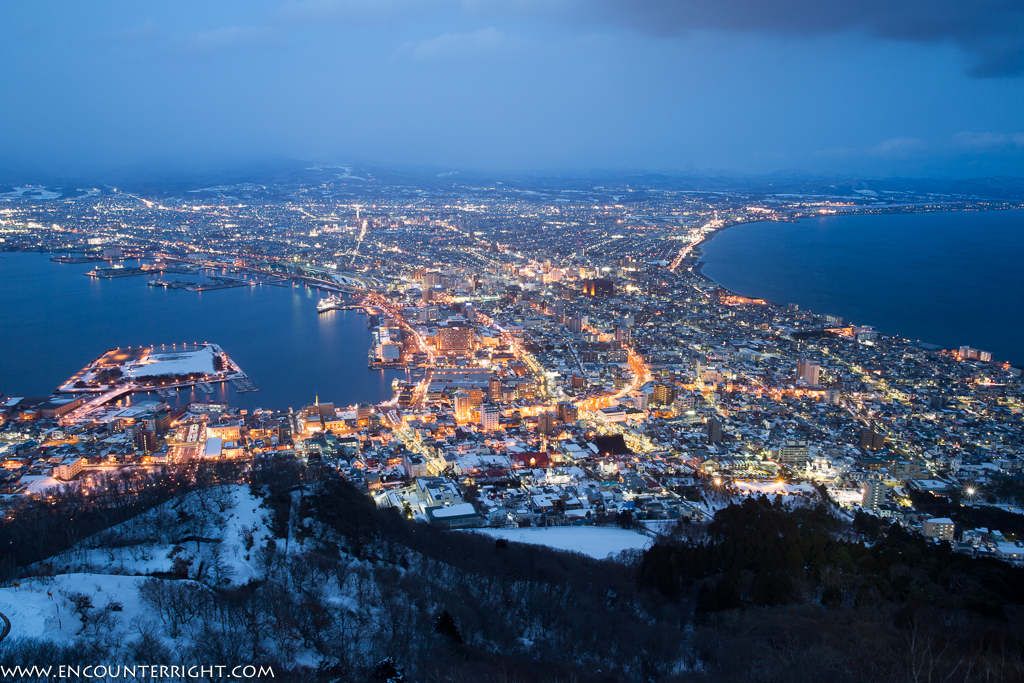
<point x="243" y="384"/>
<point x="110" y="273"/>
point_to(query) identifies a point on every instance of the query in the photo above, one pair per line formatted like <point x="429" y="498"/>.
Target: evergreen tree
<point x="444" y="624"/>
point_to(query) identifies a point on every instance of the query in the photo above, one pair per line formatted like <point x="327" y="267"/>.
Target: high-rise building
<point x="874" y="493"/>
<point x="664" y="394"/>
<point x="808" y="372"/>
<point x="455" y="338"/>
<point x="871" y="440"/>
<point x="640" y="399"/>
<point x="567" y="412"/>
<point x="490" y="416"/>
<point x="575" y="324"/>
<point x="714" y="430"/>
<point x="145" y="440"/>
<point x="462" y="405"/>
<point x="794" y="452"/>
<point x="526" y="389"/>
<point x="494" y="389"/>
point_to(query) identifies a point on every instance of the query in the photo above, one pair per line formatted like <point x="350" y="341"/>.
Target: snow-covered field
<point x="31" y="192"/>
<point x="180" y="363"/>
<point x="41" y="483"/>
<point x="772" y="488"/>
<point x="599" y="542"/>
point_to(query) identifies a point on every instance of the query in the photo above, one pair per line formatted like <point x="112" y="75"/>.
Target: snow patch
<point x="597" y="542"/>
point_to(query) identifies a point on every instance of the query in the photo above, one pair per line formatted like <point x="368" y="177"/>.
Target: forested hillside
<point x="299" y="570"/>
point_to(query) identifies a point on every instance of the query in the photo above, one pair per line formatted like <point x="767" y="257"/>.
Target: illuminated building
<point x="794" y="452"/>
<point x="54" y="409"/>
<point x="144" y="440"/>
<point x="808" y="372"/>
<point x="612" y="414"/>
<point x="940" y="527"/>
<point x="598" y="287"/>
<point x="490" y="416"/>
<point x="874" y="494"/>
<point x="968" y="353"/>
<point x="69" y="468"/>
<point x="871" y="440"/>
<point x="455" y="338"/>
<point x="462" y="405"/>
<point x="683" y="402"/>
<point x="664" y="394"/>
<point x="526" y="390"/>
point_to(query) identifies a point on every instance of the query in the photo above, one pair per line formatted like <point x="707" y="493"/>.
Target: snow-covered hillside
<point x="217" y="535"/>
<point x="313" y="577"/>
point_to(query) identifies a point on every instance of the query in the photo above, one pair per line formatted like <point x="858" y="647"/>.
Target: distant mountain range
<point x="284" y="176"/>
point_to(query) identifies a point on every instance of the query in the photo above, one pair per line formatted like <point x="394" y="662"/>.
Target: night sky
<point x="869" y="87"/>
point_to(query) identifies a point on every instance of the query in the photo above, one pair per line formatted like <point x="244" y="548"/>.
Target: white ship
<point x="331" y="303"/>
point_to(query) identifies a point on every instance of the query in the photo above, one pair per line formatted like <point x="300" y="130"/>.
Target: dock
<point x="76" y="259"/>
<point x="173" y="284"/>
<point x="110" y="273"/>
<point x="243" y="384"/>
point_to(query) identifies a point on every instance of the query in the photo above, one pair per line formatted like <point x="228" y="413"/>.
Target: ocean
<point x="946" y="278"/>
<point x="54" y="321"/>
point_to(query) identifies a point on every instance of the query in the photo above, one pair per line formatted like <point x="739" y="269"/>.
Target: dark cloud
<point x="992" y="31"/>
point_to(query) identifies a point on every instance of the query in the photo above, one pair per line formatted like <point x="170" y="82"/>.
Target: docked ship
<point x="331" y="303"/>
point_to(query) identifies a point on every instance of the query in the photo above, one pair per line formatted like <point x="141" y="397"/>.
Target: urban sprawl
<point x="566" y="361"/>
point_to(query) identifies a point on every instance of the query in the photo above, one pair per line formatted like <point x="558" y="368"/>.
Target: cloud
<point x="898" y="148"/>
<point x="985" y="142"/>
<point x="145" y="32"/>
<point x="992" y="31"/>
<point x="151" y="40"/>
<point x="966" y="144"/>
<point x="360" y="11"/>
<point x="232" y="38"/>
<point x="456" y="45"/>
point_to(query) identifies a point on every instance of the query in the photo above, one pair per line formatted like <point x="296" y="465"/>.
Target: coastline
<point x="291" y="364"/>
<point x="698" y="264"/>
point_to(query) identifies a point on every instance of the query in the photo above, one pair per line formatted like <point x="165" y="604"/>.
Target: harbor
<point x="273" y="332"/>
<point x="120" y="372"/>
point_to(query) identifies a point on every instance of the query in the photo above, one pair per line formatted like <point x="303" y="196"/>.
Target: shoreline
<point x="351" y="382"/>
<point x="698" y="265"/>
